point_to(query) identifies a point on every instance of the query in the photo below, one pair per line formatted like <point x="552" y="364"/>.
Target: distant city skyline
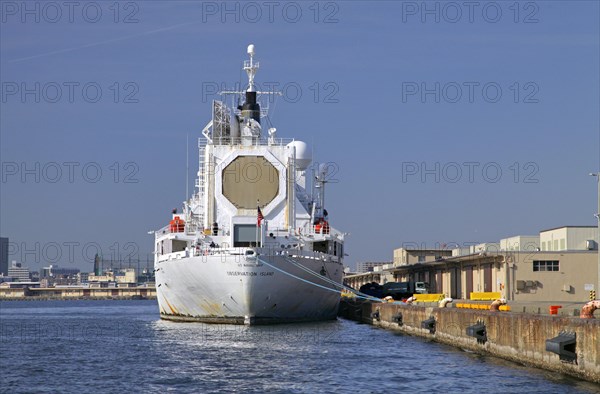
<point x="441" y="123"/>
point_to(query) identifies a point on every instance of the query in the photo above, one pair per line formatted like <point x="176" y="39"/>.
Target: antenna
<point x="187" y="166"/>
<point x="251" y="68"/>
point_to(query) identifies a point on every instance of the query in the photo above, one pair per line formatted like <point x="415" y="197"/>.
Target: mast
<point x="319" y="185"/>
<point x="251" y="68"/>
<point x="251" y="109"/>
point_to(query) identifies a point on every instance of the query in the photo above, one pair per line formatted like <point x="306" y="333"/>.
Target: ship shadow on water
<point x="275" y="336"/>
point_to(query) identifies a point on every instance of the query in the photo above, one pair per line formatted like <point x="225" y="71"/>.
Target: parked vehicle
<point x="421" y="287"/>
<point x="373" y="289"/>
<point x="402" y="290"/>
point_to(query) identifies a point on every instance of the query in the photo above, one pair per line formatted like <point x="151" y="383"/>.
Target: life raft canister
<point x="177" y="225"/>
<point x="322" y="225"/>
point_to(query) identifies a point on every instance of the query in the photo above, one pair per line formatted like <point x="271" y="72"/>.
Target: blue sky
<point x="512" y="88"/>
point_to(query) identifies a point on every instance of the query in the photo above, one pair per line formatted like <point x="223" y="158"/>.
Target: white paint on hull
<point x="236" y="289"/>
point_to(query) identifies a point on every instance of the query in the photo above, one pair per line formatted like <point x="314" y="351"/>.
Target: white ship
<point x="253" y="244"/>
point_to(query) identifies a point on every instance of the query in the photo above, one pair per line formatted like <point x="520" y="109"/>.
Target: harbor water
<point x="113" y="346"/>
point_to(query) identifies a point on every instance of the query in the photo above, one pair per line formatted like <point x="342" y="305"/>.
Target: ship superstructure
<point x="253" y="244"/>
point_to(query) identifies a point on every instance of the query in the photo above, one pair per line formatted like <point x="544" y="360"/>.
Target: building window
<point x="421" y="259"/>
<point x="545" y="265"/>
<point x="563" y="245"/>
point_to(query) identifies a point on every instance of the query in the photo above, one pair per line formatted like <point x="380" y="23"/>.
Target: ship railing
<point x="191" y="228"/>
<point x="320" y="230"/>
<point x="165" y="230"/>
<point x="265" y="251"/>
<point x="306" y="230"/>
<point x="246" y="254"/>
<point x="240" y="141"/>
<point x="188" y="228"/>
<point x="308" y="255"/>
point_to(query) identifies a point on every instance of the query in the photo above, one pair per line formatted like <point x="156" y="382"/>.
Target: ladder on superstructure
<point x="200" y="182"/>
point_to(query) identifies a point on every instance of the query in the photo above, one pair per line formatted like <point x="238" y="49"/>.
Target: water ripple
<point x="111" y="346"/>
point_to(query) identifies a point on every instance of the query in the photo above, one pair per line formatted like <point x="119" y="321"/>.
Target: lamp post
<point x="597" y="175"/>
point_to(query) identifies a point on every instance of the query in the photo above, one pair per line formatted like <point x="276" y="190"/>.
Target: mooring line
<point x="318" y="285"/>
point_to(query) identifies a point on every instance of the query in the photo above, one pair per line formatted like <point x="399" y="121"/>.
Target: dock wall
<point x="71" y="293"/>
<point x="518" y="337"/>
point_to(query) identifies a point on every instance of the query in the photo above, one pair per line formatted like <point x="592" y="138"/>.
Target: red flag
<point x="259" y="216"/>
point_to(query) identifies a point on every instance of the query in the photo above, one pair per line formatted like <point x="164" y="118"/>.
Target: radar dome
<point x="303" y="154"/>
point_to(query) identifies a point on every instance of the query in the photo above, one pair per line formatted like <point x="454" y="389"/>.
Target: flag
<point x="259" y="216"/>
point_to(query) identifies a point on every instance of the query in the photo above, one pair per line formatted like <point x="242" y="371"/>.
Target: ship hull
<point x="237" y="289"/>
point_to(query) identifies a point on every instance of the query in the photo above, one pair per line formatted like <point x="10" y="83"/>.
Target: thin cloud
<point x="60" y="51"/>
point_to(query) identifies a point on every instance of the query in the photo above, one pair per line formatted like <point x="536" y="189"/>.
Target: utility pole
<point x="597" y="175"/>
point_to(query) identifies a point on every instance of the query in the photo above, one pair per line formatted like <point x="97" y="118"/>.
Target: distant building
<point x="97" y="265"/>
<point x="521" y="243"/>
<point x="83" y="278"/>
<point x="561" y="264"/>
<point x="349" y="271"/>
<point x="6" y="278"/>
<point x="19" y="285"/>
<point x="569" y="238"/>
<point x="404" y="256"/>
<point x="3" y="256"/>
<point x="485" y="247"/>
<point x="58" y="272"/>
<point x="34" y="276"/>
<point x="18" y="272"/>
<point x="563" y="276"/>
<point x="369" y="266"/>
<point x="121" y="277"/>
<point x="53" y="275"/>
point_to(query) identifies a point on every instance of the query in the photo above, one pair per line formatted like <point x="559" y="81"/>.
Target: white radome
<point x="303" y="154"/>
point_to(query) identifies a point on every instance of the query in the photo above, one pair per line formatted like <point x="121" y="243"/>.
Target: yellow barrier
<point x="503" y="308"/>
<point x="428" y="297"/>
<point x="485" y="296"/>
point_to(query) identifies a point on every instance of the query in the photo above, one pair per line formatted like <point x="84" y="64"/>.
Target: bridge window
<point x="245" y="235"/>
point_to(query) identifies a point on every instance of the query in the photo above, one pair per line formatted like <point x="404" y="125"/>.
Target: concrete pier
<point x="519" y="337"/>
<point x="73" y="293"/>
